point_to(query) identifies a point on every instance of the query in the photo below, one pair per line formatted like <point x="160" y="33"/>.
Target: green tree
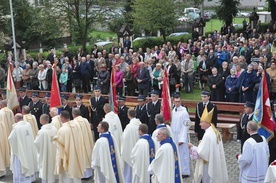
<point x="272" y="9"/>
<point x="154" y="15"/>
<point x="226" y="10"/>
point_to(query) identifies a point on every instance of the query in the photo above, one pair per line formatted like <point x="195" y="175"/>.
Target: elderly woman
<point x="232" y="93"/>
<point x="119" y="80"/>
<point x="33" y="76"/>
<point x="17" y="75"/>
<point x="156" y="77"/>
<point x="129" y="82"/>
<point x="26" y="77"/>
<point x="42" y="77"/>
<point x="104" y="79"/>
<point x="172" y="73"/>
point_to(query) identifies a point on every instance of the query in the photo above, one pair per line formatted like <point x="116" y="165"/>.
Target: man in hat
<point x="253" y="160"/>
<point x="142" y="155"/>
<point x="130" y="137"/>
<point x="6" y="116"/>
<point x="96" y="103"/>
<point x="170" y="169"/>
<point x="115" y="127"/>
<point x="23" y="98"/>
<point x="211" y="164"/>
<point x="36" y="108"/>
<point x="28" y="117"/>
<point x="122" y="111"/>
<point x="83" y="108"/>
<point x="141" y="109"/>
<point x="242" y="134"/>
<point x="65" y="105"/>
<point x="46" y="104"/>
<point x="23" y="156"/>
<point x="46" y="149"/>
<point x="142" y="78"/>
<point x="205" y="97"/>
<point x="153" y="108"/>
<point x="70" y="161"/>
<point x="180" y="124"/>
<point x="106" y="160"/>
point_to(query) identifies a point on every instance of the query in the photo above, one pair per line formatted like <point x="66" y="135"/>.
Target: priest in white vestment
<point x="23" y="162"/>
<point x="253" y="162"/>
<point x="180" y="125"/>
<point x="70" y="165"/>
<point x="46" y="150"/>
<point x="130" y="138"/>
<point x="166" y="166"/>
<point x="6" y="116"/>
<point x="88" y="142"/>
<point x="106" y="160"/>
<point x="4" y="150"/>
<point x="115" y="127"/>
<point x="211" y="164"/>
<point x="142" y="155"/>
<point x="28" y="117"/>
<point x="160" y="123"/>
<point x="55" y="118"/>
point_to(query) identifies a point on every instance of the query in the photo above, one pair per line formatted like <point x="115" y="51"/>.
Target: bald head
<point x="76" y="112"/>
<point x="53" y="111"/>
<point x="26" y="109"/>
<point x="18" y="117"/>
<point x="107" y="108"/>
<point x="3" y="104"/>
<point x="44" y="119"/>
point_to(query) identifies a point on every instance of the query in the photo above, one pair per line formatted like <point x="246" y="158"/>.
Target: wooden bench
<point x="225" y="127"/>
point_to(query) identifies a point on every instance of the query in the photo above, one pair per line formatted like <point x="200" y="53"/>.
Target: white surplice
<point x="7" y="117"/>
<point x="154" y="136"/>
<point x="32" y="120"/>
<point x="56" y="122"/>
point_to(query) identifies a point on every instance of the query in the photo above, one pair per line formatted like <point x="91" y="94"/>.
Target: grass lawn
<point x="103" y="35"/>
<point x="216" y="24"/>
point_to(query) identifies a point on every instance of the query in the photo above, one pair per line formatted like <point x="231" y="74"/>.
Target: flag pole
<point x="13" y="33"/>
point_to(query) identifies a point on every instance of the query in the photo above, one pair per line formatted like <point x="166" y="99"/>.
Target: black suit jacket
<point x="145" y="77"/>
<point x="24" y="101"/>
<point x="245" y="135"/>
<point x="69" y="109"/>
<point x="247" y="55"/>
<point x="122" y="113"/>
<point x="142" y="114"/>
<point x="97" y="110"/>
<point x="152" y="111"/>
<point x="172" y="71"/>
<point x="199" y="110"/>
<point x="36" y="110"/>
<point x="84" y="111"/>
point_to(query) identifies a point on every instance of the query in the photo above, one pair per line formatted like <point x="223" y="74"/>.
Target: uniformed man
<point x="96" y="103"/>
<point x="36" y="108"/>
<point x="66" y="107"/>
<point x="141" y="109"/>
<point x="205" y="96"/>
<point x="153" y="108"/>
<point x="122" y="111"/>
<point x="46" y="104"/>
<point x="83" y="108"/>
<point x="23" y="98"/>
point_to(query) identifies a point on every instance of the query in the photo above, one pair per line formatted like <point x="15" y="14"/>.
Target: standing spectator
<point x="119" y="80"/>
<point x="85" y="71"/>
<point x="195" y="34"/>
<point x="104" y="79"/>
<point x="49" y="74"/>
<point x="153" y="108"/>
<point x="2" y="76"/>
<point x="23" y="98"/>
<point x="187" y="70"/>
<point x="63" y="80"/>
<point x="203" y="72"/>
<point x="134" y="67"/>
<point x="224" y="71"/>
<point x="99" y="61"/>
<point x="17" y="75"/>
<point x="34" y="77"/>
<point x="231" y="87"/>
<point x="51" y="56"/>
<point x="36" y="108"/>
<point x="272" y="73"/>
<point x="46" y="104"/>
<point x="141" y="109"/>
<point x="172" y="73"/>
<point x="143" y="77"/>
<point x="42" y="78"/>
<point x="123" y="64"/>
<point x="178" y="67"/>
<point x="76" y="77"/>
<point x="246" y="84"/>
<point x="26" y="76"/>
<point x="156" y="76"/>
<point x="253" y="160"/>
<point x="122" y="108"/>
<point x="95" y="51"/>
<point x="215" y="83"/>
<point x="129" y="82"/>
<point x="68" y="54"/>
<point x="171" y="54"/>
<point x="29" y="60"/>
<point x="127" y="43"/>
<point x="68" y="69"/>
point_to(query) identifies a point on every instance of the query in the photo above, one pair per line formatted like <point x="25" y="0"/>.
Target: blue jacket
<point x="231" y="82"/>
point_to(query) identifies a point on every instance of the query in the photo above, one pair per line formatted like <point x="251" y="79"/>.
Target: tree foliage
<point x="226" y="10"/>
<point x="272" y="8"/>
<point x="154" y="15"/>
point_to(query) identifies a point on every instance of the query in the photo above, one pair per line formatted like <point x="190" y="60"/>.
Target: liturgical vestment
<point x="32" y="120"/>
<point x="46" y="150"/>
<point x="4" y="150"/>
<point x="6" y="116"/>
<point x="56" y="122"/>
<point x="154" y="134"/>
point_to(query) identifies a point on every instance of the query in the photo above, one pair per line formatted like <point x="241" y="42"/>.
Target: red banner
<point x="113" y="92"/>
<point x="55" y="100"/>
<point x="166" y="99"/>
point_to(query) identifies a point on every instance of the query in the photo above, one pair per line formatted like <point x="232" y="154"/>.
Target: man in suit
<point x="85" y="71"/>
<point x="23" y="99"/>
<point x="96" y="103"/>
<point x="205" y="96"/>
<point x="143" y="78"/>
<point x="246" y="52"/>
<point x="215" y="83"/>
<point x="141" y="109"/>
<point x="122" y="111"/>
<point x="66" y="107"/>
<point x="242" y="134"/>
<point x="46" y="104"/>
<point x="153" y="108"/>
<point x="83" y="108"/>
<point x="36" y="108"/>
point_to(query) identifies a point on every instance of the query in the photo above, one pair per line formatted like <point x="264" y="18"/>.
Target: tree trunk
<point x="272" y="5"/>
<point x="162" y="31"/>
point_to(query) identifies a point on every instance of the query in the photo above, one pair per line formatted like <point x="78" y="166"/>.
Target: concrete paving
<point x="231" y="148"/>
